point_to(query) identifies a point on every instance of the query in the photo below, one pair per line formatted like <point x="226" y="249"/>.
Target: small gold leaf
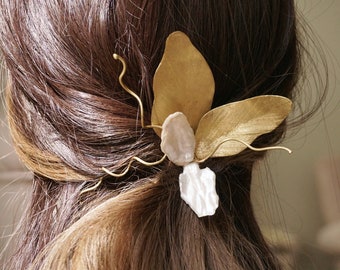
<point x="243" y="120"/>
<point x="183" y="82"/>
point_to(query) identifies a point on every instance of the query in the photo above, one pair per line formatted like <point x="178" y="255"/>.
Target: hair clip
<point x="190" y="132"/>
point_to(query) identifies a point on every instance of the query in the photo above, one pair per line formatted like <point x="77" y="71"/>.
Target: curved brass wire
<point x="130" y="163"/>
<point x="248" y="146"/>
<point x="93" y="187"/>
<point x="140" y="104"/>
<point x="127" y="89"/>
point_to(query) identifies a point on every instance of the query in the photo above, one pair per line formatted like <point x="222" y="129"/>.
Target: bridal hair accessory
<point x="190" y="132"/>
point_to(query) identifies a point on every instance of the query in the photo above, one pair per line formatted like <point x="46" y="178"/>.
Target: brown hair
<point x="69" y="118"/>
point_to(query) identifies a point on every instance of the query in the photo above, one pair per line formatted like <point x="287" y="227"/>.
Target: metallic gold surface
<point x="243" y="120"/>
<point x="183" y="82"/>
<point x="184" y="89"/>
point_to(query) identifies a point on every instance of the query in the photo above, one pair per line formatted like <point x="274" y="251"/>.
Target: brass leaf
<point x="243" y="120"/>
<point x="183" y="82"/>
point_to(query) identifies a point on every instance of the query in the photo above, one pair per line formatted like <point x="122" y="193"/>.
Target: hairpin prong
<point x="140" y="104"/>
<point x="93" y="187"/>
<point x="130" y="163"/>
<point x="247" y="145"/>
<point x="127" y="89"/>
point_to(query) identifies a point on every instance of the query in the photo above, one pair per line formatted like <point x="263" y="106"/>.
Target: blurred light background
<point x="292" y="202"/>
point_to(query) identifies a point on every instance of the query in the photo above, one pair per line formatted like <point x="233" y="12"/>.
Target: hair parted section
<point x="69" y="117"/>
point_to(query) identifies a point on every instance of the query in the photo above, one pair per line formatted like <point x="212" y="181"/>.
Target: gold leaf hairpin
<point x="190" y="132"/>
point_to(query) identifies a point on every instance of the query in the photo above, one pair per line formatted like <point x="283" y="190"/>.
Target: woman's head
<point x="73" y="117"/>
<point x="69" y="118"/>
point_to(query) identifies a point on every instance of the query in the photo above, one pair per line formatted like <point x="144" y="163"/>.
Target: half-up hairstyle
<point x="69" y="117"/>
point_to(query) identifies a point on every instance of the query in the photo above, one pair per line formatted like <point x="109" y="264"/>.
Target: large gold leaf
<point x="243" y="120"/>
<point x="183" y="82"/>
